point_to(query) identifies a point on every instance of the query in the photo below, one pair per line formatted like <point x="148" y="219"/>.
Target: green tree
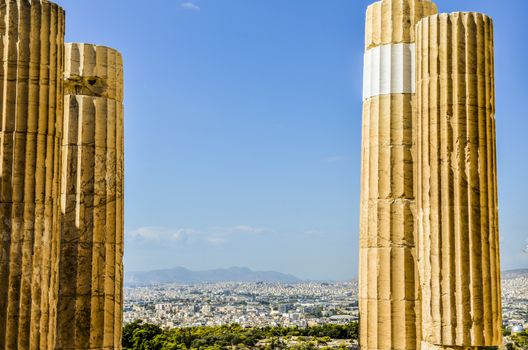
<point x="521" y="339"/>
<point x="140" y="336"/>
<point x="143" y="336"/>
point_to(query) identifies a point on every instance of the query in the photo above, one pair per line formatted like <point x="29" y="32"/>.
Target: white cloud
<point x="161" y="234"/>
<point x="313" y="233"/>
<point x="214" y="236"/>
<point x="215" y="240"/>
<point x="148" y="233"/>
<point x="181" y="234"/>
<point x="525" y="250"/>
<point x="249" y="229"/>
<point x="190" y="6"/>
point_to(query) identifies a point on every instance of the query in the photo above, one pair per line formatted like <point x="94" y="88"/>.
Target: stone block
<point x="457" y="182"/>
<point x="31" y="74"/>
<point x="92" y="197"/>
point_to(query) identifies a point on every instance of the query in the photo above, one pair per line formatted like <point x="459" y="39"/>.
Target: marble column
<point x="91" y="271"/>
<point x="389" y="299"/>
<point x="31" y="96"/>
<point x="457" y="182"/>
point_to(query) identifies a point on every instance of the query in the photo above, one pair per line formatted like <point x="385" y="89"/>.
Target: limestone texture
<point x="389" y="298"/>
<point x="393" y="21"/>
<point x="458" y="238"/>
<point x="31" y="100"/>
<point x="91" y="270"/>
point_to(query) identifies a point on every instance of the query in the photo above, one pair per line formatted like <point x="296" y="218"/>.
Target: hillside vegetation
<point x="144" y="336"/>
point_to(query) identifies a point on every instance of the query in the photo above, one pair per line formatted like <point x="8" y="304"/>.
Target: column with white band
<point x="389" y="289"/>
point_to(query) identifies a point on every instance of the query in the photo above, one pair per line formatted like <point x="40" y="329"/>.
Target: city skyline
<point x="243" y="130"/>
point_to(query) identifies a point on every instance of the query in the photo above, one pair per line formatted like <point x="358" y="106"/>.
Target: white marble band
<point x="389" y="69"/>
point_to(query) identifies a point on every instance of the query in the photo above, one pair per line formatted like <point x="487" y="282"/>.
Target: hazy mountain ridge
<point x="233" y="274"/>
<point x="514" y="273"/>
<point x="184" y="275"/>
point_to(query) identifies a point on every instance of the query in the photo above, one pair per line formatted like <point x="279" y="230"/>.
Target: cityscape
<point x="515" y="301"/>
<point x="254" y="304"/>
<point x="258" y="304"/>
<point x="250" y="141"/>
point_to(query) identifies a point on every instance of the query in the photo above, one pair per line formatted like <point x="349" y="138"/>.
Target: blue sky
<point x="243" y="126"/>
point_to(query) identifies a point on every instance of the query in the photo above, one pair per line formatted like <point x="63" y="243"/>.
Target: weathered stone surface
<point x="393" y="21"/>
<point x="457" y="182"/>
<point x="91" y="271"/>
<point x="389" y="289"/>
<point x="427" y="346"/>
<point x="31" y="89"/>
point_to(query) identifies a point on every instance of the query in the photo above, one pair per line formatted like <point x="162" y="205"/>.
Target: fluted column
<point x="457" y="182"/>
<point x="389" y="288"/>
<point x="91" y="271"/>
<point x="31" y="89"/>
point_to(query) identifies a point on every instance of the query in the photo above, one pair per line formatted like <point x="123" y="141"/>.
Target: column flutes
<point x="457" y="182"/>
<point x="31" y="95"/>
<point x="91" y="273"/>
<point x="389" y="288"/>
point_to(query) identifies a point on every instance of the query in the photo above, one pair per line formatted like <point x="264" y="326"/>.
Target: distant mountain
<point x="514" y="273"/>
<point x="183" y="275"/>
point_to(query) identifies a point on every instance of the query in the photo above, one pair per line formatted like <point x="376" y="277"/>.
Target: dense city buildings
<point x="282" y="304"/>
<point x="248" y="304"/>
<point x="515" y="301"/>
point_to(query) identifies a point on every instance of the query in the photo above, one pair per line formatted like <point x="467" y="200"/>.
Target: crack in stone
<point x="87" y="86"/>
